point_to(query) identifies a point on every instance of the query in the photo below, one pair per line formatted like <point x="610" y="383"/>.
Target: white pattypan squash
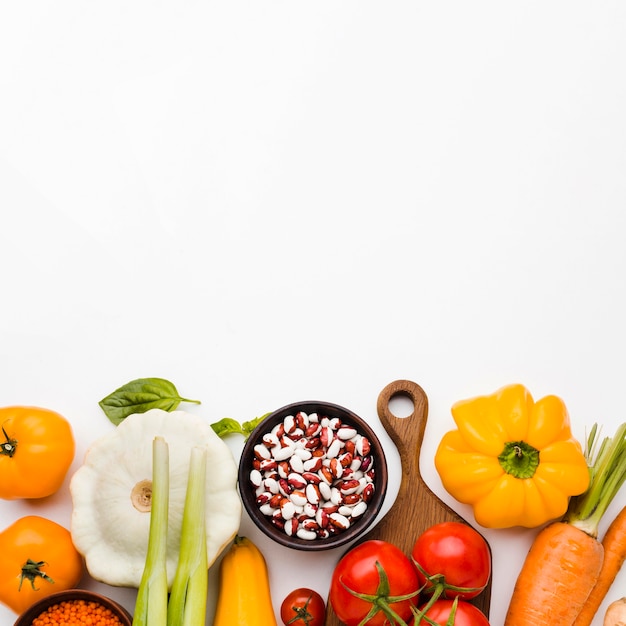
<point x="111" y="494"/>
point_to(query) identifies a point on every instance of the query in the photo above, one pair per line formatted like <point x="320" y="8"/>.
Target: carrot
<point x="560" y="569"/>
<point x="614" y="543"/>
<point x="565" y="560"/>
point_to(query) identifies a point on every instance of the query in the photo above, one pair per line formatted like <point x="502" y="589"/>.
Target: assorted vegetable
<point x="244" y="596"/>
<point x="111" y="494"/>
<point x="37" y="558"/>
<point x="36" y="450"/>
<point x="512" y="459"/>
<point x="155" y="503"/>
<point x="566" y="559"/>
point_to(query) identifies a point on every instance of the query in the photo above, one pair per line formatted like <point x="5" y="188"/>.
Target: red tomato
<point x="456" y="552"/>
<point x="379" y="570"/>
<point x="303" y="607"/>
<point x="466" y="614"/>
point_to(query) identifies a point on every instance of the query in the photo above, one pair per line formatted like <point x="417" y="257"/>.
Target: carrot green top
<point x="607" y="473"/>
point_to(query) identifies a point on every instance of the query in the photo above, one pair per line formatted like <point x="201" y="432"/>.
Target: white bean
<point x="334" y="448"/>
<point x="256" y="478"/>
<point x="282" y="453"/>
<point x="309" y="535"/>
<point x="358" y="509"/>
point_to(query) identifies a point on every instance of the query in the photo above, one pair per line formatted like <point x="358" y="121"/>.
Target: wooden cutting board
<point x="416" y="507"/>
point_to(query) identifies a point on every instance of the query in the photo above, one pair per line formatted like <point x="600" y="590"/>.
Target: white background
<point x="267" y="202"/>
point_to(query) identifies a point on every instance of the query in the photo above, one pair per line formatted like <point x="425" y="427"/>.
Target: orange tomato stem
<point x="31" y="570"/>
<point x="9" y="446"/>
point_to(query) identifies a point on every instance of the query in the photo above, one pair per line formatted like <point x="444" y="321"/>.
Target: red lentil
<point x="77" y="613"/>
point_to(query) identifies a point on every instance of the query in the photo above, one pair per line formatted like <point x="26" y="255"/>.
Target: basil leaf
<point x="139" y="396"/>
<point x="228" y="426"/>
<point x="248" y="427"/>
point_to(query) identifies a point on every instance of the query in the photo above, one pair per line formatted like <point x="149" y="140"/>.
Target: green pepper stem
<point x="519" y="459"/>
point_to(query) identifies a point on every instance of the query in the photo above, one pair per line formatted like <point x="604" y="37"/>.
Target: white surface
<point x="267" y="202"/>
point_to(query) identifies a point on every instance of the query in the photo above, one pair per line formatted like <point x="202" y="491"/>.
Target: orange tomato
<point x="38" y="559"/>
<point x="36" y="450"/>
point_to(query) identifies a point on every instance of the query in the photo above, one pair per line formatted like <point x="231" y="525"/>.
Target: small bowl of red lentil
<point x="313" y="475"/>
<point x="75" y="607"/>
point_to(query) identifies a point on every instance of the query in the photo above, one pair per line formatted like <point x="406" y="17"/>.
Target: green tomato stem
<point x="381" y="600"/>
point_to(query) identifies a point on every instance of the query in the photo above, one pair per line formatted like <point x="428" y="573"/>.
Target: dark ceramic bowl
<point x="71" y="595"/>
<point x="275" y="486"/>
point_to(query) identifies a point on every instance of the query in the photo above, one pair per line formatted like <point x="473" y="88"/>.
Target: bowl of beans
<point x="312" y="475"/>
<point x="75" y="607"/>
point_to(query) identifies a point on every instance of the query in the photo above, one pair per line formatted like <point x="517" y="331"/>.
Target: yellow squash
<point x="244" y="590"/>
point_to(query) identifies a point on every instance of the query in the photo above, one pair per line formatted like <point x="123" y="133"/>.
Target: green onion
<point x="188" y="598"/>
<point x="607" y="472"/>
<point x="151" y="604"/>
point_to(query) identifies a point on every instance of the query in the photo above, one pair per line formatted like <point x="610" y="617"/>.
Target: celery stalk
<point x="188" y="598"/>
<point x="151" y="604"/>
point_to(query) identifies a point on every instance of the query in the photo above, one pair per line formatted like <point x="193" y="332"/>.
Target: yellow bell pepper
<point x="514" y="460"/>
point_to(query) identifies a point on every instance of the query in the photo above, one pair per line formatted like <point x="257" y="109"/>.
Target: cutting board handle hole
<point x="401" y="405"/>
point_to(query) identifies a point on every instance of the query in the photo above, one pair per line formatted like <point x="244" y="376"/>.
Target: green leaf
<point x="139" y="396"/>
<point x="249" y="426"/>
<point x="228" y="426"/>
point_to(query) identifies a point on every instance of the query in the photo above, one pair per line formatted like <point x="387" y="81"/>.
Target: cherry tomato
<point x="466" y="614"/>
<point x="382" y="572"/>
<point x="453" y="554"/>
<point x="303" y="607"/>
